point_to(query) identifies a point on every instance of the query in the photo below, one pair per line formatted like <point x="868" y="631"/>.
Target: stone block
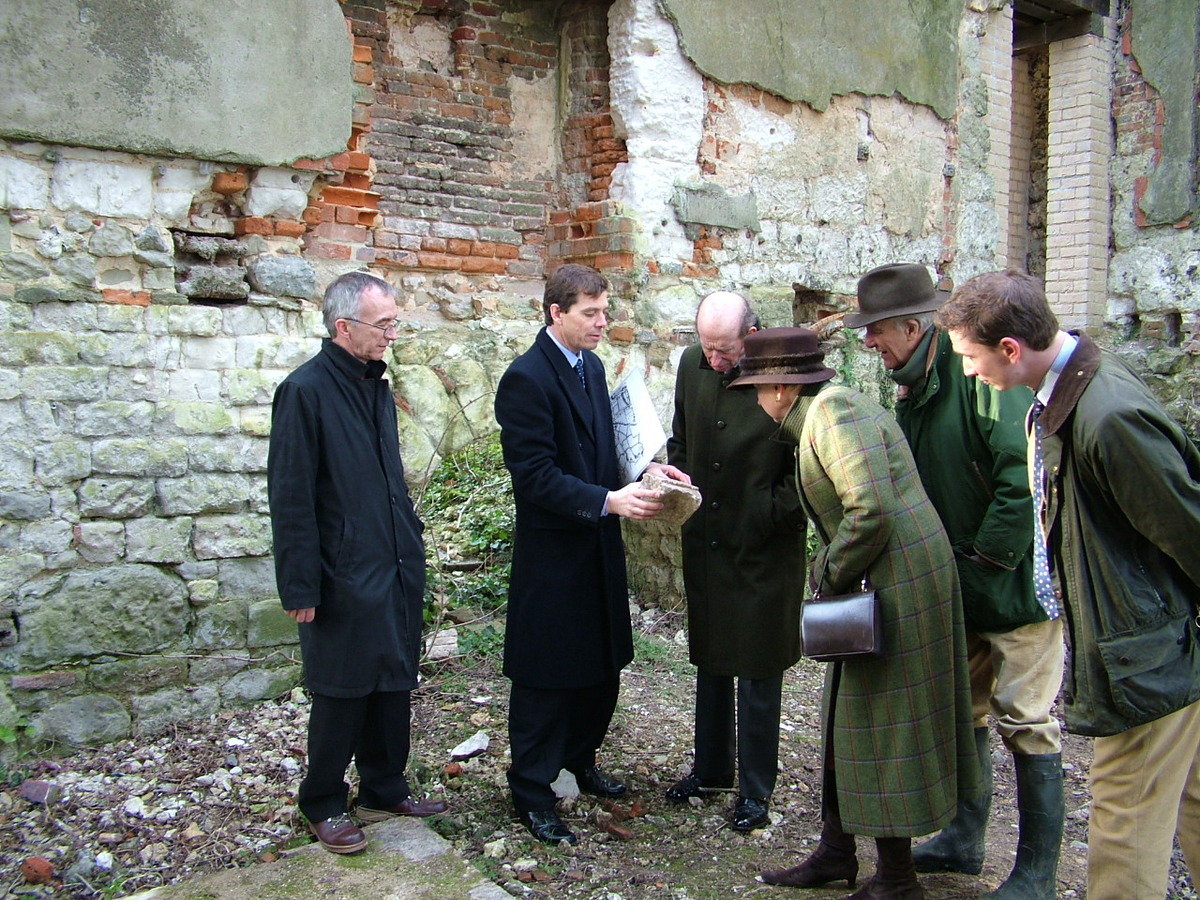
<point x="129" y="608"/>
<point x="38" y="348"/>
<point x="146" y="457"/>
<point x="245" y="387"/>
<point x="153" y="713"/>
<point x="23" y="185"/>
<point x="100" y="542"/>
<point x="220" y="626"/>
<point x="102" y="188"/>
<point x="261" y="684"/>
<point x="158" y="540"/>
<point x="106" y="418"/>
<point x="137" y="675"/>
<point x="235" y="453"/>
<point x="223" y="537"/>
<point x="270" y="626"/>
<point x="195" y="418"/>
<point x="25" y="506"/>
<point x="248" y="578"/>
<point x="115" y="498"/>
<point x="209" y="353"/>
<point x="111" y="239"/>
<point x="82" y="721"/>
<point x="268" y="201"/>
<point x="199" y="492"/>
<point x="49" y="536"/>
<point x="22" y="267"/>
<point x="203" y="591"/>
<point x="60" y="463"/>
<point x="287" y="276"/>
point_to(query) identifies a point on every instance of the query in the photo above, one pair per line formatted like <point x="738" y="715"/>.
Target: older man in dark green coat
<point x="743" y="600"/>
<point x="969" y="444"/>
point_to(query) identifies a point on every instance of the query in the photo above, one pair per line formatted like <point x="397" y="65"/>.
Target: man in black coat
<point x="349" y="563"/>
<point x="743" y="599"/>
<point x="568" y="633"/>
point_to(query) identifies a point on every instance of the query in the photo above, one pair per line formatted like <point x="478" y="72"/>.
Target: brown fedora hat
<point x="783" y="356"/>
<point x="897" y="289"/>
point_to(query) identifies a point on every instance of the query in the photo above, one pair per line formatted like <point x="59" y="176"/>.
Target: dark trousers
<point x="373" y="730"/>
<point x="747" y="734"/>
<point x="549" y="730"/>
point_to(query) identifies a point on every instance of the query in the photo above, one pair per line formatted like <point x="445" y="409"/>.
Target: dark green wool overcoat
<point x="743" y="606"/>
<point x="898" y="729"/>
<point x="969" y="443"/>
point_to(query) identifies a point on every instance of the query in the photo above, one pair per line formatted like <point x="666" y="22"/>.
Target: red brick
<point x="290" y="229"/>
<point x="439" y="261"/>
<point x="346" y="215"/>
<point x="326" y="250"/>
<point x="399" y="258"/>
<point x="312" y="215"/>
<point x="458" y="246"/>
<point x="433" y="244"/>
<point x="229" y="182"/>
<point x="126" y="298"/>
<point x="475" y="264"/>
<point x="358" y="162"/>
<point x="616" y="261"/>
<point x="587" y="212"/>
<point x="340" y="232"/>
<point x="362" y="53"/>
<point x="253" y="225"/>
<point x="312" y="165"/>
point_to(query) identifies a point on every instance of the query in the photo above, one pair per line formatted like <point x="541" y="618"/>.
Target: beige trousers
<point x="1145" y="789"/>
<point x="1016" y="676"/>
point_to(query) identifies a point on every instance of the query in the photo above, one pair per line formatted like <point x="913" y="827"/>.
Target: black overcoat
<point x="743" y="602"/>
<point x="568" y="605"/>
<point x="347" y="540"/>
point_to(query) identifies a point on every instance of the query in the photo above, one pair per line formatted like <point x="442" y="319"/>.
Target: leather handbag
<point x="842" y="626"/>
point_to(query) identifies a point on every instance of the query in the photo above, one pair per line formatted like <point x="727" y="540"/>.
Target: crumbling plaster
<point x="184" y="78"/>
<point x="812" y="51"/>
<point x="1166" y="43"/>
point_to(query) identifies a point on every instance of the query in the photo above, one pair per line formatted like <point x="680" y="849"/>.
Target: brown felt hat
<point x="897" y="289"/>
<point x="783" y="356"/>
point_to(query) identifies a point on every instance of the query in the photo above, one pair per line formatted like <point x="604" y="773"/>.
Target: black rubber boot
<point x="959" y="847"/>
<point x="1040" y="807"/>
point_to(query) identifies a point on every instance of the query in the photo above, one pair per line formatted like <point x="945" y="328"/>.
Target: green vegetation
<point x="467" y="507"/>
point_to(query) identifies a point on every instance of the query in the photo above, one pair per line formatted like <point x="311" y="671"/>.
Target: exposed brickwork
<point x="1138" y="115"/>
<point x="1077" y="208"/>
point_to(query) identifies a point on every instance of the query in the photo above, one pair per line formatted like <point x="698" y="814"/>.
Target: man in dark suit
<point x="568" y="633"/>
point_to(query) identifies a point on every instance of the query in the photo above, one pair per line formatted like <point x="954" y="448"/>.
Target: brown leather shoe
<point x="822" y="867"/>
<point x="409" y="806"/>
<point x="339" y="834"/>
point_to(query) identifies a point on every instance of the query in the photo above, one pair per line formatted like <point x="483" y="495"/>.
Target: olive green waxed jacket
<point x="969" y="443"/>
<point x="1123" y="527"/>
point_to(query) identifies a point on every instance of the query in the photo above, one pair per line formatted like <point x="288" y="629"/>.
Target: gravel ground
<point x="220" y="793"/>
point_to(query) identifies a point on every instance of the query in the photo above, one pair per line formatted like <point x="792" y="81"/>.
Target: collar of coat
<point x="1076" y="376"/>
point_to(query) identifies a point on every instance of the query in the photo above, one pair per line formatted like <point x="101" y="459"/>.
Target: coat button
<point x="716" y="467"/>
<point x="712" y="545"/>
<point x="1124" y="660"/>
<point x="720" y="424"/>
<point x="716" y="504"/>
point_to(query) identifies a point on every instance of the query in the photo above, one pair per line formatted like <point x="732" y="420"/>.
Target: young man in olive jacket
<point x="969" y="444"/>
<point x="743" y="563"/>
<point x="349" y="563"/>
<point x="1119" y="483"/>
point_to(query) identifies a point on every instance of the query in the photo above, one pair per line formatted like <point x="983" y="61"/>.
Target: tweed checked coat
<point x="897" y="730"/>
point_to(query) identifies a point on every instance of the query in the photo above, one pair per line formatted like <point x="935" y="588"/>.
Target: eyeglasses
<point x="392" y="326"/>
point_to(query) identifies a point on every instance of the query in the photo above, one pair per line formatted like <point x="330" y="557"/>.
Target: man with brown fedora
<point x="970" y="447"/>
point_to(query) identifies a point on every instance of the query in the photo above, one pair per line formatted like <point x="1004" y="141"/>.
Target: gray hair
<point x="343" y="297"/>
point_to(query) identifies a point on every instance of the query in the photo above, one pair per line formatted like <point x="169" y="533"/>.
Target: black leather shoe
<point x="694" y="786"/>
<point x="592" y="781"/>
<point x="749" y="814"/>
<point x="545" y="825"/>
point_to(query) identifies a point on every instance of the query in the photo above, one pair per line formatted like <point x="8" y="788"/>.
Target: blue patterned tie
<point x="1042" y="586"/>
<point x="579" y="372"/>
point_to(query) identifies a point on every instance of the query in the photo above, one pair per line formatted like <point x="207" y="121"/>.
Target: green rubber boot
<point x="959" y="846"/>
<point x="1041" y="809"/>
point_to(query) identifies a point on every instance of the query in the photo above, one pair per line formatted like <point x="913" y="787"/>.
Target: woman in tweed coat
<point x="898" y="746"/>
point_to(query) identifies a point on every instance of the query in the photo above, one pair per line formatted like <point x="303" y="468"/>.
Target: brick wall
<point x="1077" y="207"/>
<point x="431" y="179"/>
